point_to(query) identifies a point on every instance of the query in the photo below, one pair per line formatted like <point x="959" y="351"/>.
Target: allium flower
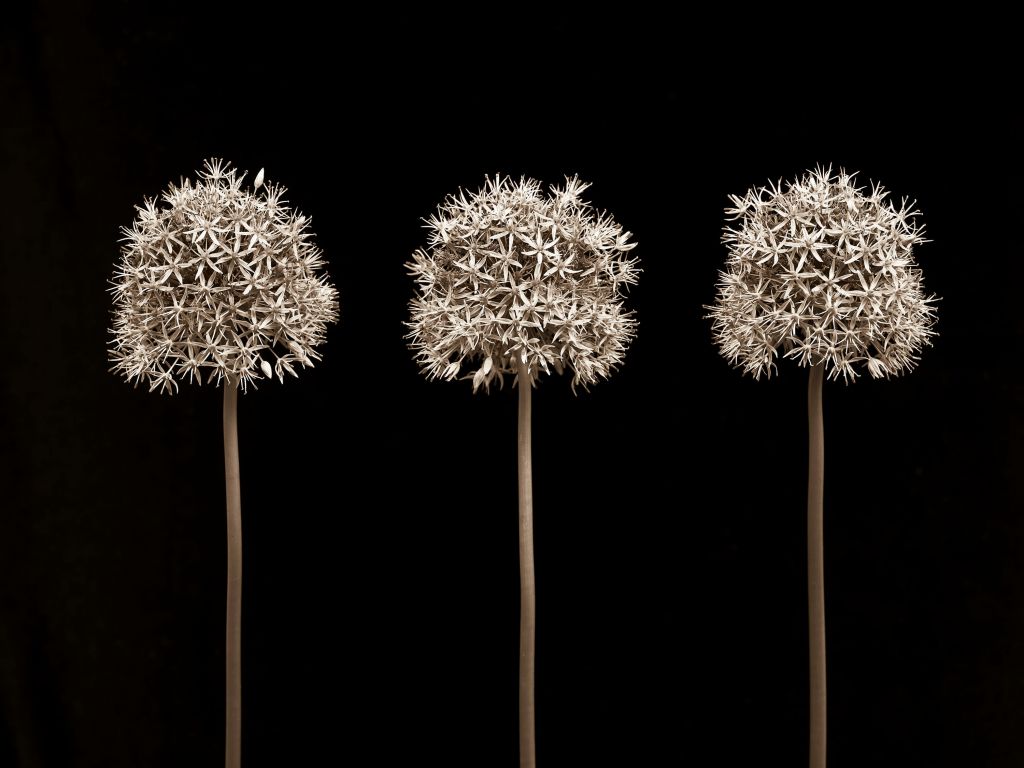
<point x="515" y="281"/>
<point x="218" y="278"/>
<point x="512" y="276"/>
<point x="827" y="274"/>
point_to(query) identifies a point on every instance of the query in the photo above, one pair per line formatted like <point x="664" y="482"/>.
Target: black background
<point x="381" y="582"/>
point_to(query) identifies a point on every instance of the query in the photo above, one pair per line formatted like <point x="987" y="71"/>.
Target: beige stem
<point x="816" y="563"/>
<point x="233" y="635"/>
<point x="527" y="583"/>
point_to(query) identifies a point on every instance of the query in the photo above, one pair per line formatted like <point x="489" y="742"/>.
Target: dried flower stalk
<point x="825" y="273"/>
<point x="517" y="282"/>
<point x="221" y="279"/>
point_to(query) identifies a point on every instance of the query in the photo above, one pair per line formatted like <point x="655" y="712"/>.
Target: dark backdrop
<point x="381" y="586"/>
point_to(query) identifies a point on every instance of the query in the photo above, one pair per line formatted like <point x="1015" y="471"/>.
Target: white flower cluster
<point x="513" y="276"/>
<point x="222" y="279"/>
<point x="827" y="274"/>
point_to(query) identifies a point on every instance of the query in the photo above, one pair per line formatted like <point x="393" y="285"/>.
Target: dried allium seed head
<point x="825" y="272"/>
<point x="513" y="275"/>
<point x="219" y="278"/>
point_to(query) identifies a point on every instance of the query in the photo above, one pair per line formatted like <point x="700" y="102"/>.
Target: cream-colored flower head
<point x="514" y="275"/>
<point x="827" y="274"/>
<point x="220" y="278"/>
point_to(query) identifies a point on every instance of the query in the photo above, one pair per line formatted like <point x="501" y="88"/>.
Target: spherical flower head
<point x="221" y="279"/>
<point x="515" y="276"/>
<point x="825" y="273"/>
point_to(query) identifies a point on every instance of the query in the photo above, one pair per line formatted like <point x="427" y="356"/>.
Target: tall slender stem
<point x="233" y="635"/>
<point x="816" y="563"/>
<point x="527" y="583"/>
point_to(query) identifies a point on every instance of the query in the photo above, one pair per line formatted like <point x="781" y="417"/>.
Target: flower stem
<point x="527" y="583"/>
<point x="233" y="635"/>
<point x="816" y="563"/>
